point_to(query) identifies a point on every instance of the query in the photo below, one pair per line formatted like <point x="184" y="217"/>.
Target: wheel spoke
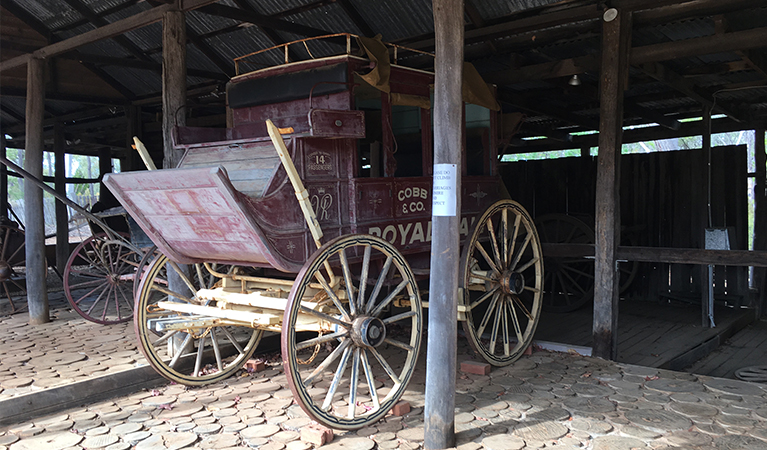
<point x="482" y="277"/>
<point x="198" y="361"/>
<point x="336" y="379"/>
<point x="165" y="337"/>
<point x="371" y="380"/>
<point x="386" y="366"/>
<point x="333" y="297"/>
<point x="564" y="285"/>
<point x="183" y="276"/>
<point x="513" y="242"/>
<point x="16" y="252"/>
<point x="233" y="341"/>
<point x="324" y="316"/>
<point x="399" y="344"/>
<point x="575" y="283"/>
<point x="216" y="350"/>
<point x="487" y="258"/>
<point x="515" y="322"/>
<point x="376" y="312"/>
<point x="484" y="297"/>
<point x="348" y="281"/>
<point x="496" y="324"/>
<point x="105" y="290"/>
<point x="5" y="243"/>
<point x="364" y="278"/>
<point x="170" y="293"/>
<point x="522" y="306"/>
<point x="505" y="329"/>
<point x="488" y="315"/>
<point x="321" y="339"/>
<point x="398" y="317"/>
<point x="327" y="362"/>
<point x="181" y="348"/>
<point x="494" y="242"/>
<point x="353" y="380"/>
<point x="379" y="284"/>
<point x="505" y="229"/>
<point x="520" y="252"/>
<point x="85" y="284"/>
<point x="579" y="272"/>
<point x="528" y="264"/>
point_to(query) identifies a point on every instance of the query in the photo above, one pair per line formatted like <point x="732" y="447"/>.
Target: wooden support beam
<point x="36" y="270"/>
<point x="146" y="65"/>
<point x="537" y="107"/>
<point x="108" y="31"/>
<point x="173" y="82"/>
<point x="741" y="258"/>
<point x="62" y="214"/>
<point x="706" y="273"/>
<point x="760" y="215"/>
<point x="677" y="82"/>
<point x="356" y="17"/>
<point x="616" y="39"/>
<point x="261" y="20"/>
<point x="441" y="357"/>
<point x="3" y="181"/>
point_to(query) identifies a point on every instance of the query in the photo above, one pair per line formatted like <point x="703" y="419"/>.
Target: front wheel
<point x="185" y="348"/>
<point x="502" y="283"/>
<point x="350" y="340"/>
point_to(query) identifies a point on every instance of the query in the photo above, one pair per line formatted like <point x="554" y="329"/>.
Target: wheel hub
<point x="5" y="271"/>
<point x="512" y="282"/>
<point x="368" y="331"/>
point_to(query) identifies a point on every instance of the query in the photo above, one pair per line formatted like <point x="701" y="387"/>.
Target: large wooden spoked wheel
<point x="349" y="345"/>
<point x="186" y="354"/>
<point x="569" y="281"/>
<point x="12" y="255"/>
<point x="99" y="278"/>
<point x="502" y="283"/>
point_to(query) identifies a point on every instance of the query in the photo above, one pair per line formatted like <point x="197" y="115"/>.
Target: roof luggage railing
<point x="350" y="44"/>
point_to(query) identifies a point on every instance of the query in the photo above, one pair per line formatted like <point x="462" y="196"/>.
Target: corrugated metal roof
<point x="397" y="19"/>
<point x="490" y="9"/>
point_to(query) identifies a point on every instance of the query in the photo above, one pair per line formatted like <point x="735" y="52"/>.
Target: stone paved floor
<point x="65" y="350"/>
<point x="547" y="400"/>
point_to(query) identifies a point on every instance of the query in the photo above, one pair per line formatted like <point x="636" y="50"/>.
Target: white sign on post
<point x="443" y="190"/>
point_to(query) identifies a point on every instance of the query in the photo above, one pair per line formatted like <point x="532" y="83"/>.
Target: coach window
<point x="477" y="140"/>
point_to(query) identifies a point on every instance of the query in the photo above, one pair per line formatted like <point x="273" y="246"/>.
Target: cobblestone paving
<point x="547" y="400"/>
<point x="66" y="350"/>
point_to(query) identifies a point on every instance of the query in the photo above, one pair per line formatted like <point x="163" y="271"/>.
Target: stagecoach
<point x="310" y="217"/>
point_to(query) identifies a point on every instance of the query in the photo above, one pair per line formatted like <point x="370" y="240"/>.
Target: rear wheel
<point x="502" y="283"/>
<point x="186" y="348"/>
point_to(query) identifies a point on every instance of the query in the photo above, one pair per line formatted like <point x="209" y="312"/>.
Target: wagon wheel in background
<point x="569" y="281"/>
<point x="190" y="355"/>
<point x="99" y="278"/>
<point x="12" y="254"/>
<point x="349" y="362"/>
<point x="502" y="283"/>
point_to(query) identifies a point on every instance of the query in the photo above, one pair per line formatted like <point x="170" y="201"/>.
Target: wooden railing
<point x="284" y="49"/>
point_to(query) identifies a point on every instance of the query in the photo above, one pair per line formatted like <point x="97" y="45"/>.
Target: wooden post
<point x="62" y="214"/>
<point x="616" y="38"/>
<point x="760" y="216"/>
<point x="707" y="271"/>
<point x="173" y="82"/>
<point x="3" y="180"/>
<point x="37" y="292"/>
<point x="133" y="128"/>
<point x="106" y="198"/>
<point x="441" y="357"/>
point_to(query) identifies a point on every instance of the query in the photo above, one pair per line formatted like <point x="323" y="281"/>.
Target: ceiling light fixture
<point x="574" y="81"/>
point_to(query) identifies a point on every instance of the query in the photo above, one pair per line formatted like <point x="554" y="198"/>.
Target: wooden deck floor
<point x="668" y="336"/>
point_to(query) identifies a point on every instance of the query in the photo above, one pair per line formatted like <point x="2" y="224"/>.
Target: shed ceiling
<point x="686" y="56"/>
